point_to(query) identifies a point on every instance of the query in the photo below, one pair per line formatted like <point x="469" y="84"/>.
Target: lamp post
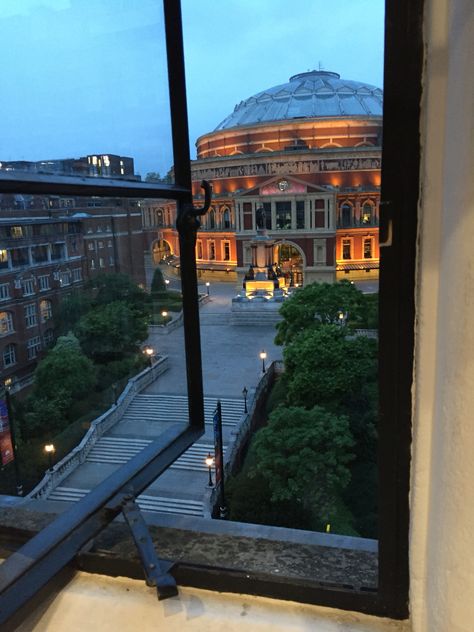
<point x="164" y="315"/>
<point x="167" y="281"/>
<point x="245" y="393"/>
<point x="114" y="391"/>
<point x="263" y="355"/>
<point x="341" y="317"/>
<point x="209" y="463"/>
<point x="207" y="287"/>
<point x="50" y="450"/>
<point x="148" y="351"/>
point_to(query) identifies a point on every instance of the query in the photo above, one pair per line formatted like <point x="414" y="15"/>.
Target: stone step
<point x="116" y="450"/>
<point x="146" y="502"/>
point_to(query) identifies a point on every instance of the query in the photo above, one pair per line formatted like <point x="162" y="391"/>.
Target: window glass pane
<point x="85" y="90"/>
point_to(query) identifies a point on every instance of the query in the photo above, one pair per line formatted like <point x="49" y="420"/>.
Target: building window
<point x="3" y="259"/>
<point x="247" y="253"/>
<point x="300" y="223"/>
<point x="368" y="248"/>
<point x="101" y="262"/>
<point x="30" y="315"/>
<point x="28" y="287"/>
<point x="76" y="275"/>
<point x="226" y="250"/>
<point x="46" y="310"/>
<point x="64" y="279"/>
<point x="367" y="216"/>
<point x="111" y="261"/>
<point x="100" y="244"/>
<point x="226" y="218"/>
<point x="57" y="252"/>
<point x="16" y="232"/>
<point x="267" y="207"/>
<point x="9" y="355"/>
<point x="48" y="337"/>
<point x="33" y="347"/>
<point x="212" y="250"/>
<point x="39" y="254"/>
<point x="283" y="215"/>
<point x="6" y="323"/>
<point x="198" y="249"/>
<point x="109" y="244"/>
<point x="346" y="215"/>
<point x="92" y="264"/>
<point x="19" y="257"/>
<point x="212" y="219"/>
<point x="44" y="282"/>
<point x="319" y="252"/>
<point x="347" y="248"/>
<point x="91" y="245"/>
<point x="4" y="291"/>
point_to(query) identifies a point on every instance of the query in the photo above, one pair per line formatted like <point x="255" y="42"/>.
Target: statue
<point x="261" y="217"/>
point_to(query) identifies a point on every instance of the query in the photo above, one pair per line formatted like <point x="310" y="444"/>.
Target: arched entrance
<point x="290" y="259"/>
<point x="160" y="250"/>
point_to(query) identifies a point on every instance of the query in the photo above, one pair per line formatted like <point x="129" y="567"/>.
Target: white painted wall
<point x="442" y="488"/>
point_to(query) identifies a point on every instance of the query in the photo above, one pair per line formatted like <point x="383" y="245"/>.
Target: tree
<point x="108" y="288"/>
<point x="71" y="308"/>
<point x="64" y="369"/>
<point x="158" y="285"/>
<point x="303" y="455"/>
<point x="153" y="176"/>
<point x="109" y="331"/>
<point x="324" y="367"/>
<point x="62" y="377"/>
<point x="318" y="304"/>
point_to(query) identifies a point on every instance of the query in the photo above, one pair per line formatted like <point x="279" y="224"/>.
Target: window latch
<point x="156" y="571"/>
<point x="188" y="217"/>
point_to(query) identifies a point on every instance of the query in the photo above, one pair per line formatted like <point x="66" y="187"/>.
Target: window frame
<point x="398" y="226"/>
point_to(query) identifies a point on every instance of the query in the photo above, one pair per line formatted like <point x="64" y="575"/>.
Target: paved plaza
<point x="230" y="356"/>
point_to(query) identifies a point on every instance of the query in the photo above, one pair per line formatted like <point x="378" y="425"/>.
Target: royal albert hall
<point x="304" y="155"/>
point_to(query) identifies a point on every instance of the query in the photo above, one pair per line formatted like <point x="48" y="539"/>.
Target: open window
<point x="102" y="178"/>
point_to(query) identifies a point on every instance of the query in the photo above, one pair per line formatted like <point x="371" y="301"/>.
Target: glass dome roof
<point x="314" y="94"/>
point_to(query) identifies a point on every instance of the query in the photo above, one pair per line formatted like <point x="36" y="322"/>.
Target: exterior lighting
<point x="245" y="393"/>
<point x="50" y="450"/>
<point x="167" y="281"/>
<point x="209" y="462"/>
<point x="207" y="287"/>
<point x="164" y="314"/>
<point x="149" y="352"/>
<point x="263" y="355"/>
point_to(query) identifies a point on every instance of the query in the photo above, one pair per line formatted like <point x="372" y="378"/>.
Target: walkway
<point x="230" y="362"/>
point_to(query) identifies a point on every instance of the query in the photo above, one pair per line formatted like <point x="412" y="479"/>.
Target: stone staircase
<point x="156" y="504"/>
<point x="174" y="408"/>
<point x="119" y="450"/>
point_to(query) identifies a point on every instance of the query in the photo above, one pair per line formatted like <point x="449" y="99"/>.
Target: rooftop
<point x="313" y="94"/>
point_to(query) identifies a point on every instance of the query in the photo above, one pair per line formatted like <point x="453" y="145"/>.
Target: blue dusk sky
<point x="89" y="76"/>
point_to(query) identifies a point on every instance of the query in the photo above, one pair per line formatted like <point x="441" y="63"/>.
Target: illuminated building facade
<point x="307" y="153"/>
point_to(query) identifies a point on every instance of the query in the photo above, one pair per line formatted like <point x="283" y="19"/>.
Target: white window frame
<point x="31" y="315"/>
<point x="43" y="282"/>
<point x="6" y="323"/>
<point x="28" y="287"/>
<point x="4" y="291"/>
<point x="9" y="355"/>
<point x="33" y="347"/>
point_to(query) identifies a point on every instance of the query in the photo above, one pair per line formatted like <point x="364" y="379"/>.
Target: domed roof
<point x="317" y="93"/>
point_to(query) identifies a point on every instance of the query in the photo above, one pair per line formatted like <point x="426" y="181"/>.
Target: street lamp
<point x="167" y="281"/>
<point x="263" y="355"/>
<point x="114" y="391"/>
<point x="164" y="316"/>
<point x="207" y="287"/>
<point x="342" y="317"/>
<point x="50" y="450"/>
<point x="209" y="463"/>
<point x="244" y="393"/>
<point x="149" y="351"/>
